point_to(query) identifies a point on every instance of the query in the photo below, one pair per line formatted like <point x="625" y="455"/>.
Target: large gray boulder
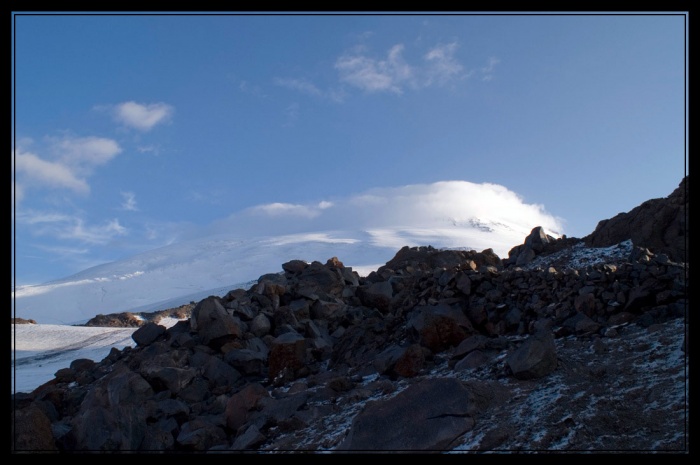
<point x="428" y="415"/>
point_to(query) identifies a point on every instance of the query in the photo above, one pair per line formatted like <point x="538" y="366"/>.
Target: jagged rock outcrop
<point x="660" y="225"/>
<point x="423" y="354"/>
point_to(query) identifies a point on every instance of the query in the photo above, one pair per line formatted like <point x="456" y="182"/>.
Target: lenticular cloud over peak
<point x="406" y="207"/>
<point x="364" y="231"/>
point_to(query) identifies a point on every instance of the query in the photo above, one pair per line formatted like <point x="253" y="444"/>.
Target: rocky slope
<point x="560" y="347"/>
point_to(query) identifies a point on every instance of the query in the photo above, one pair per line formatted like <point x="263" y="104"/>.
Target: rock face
<point x="659" y="225"/>
<point x="436" y="350"/>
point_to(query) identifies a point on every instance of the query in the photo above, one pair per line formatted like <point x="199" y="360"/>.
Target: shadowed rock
<point x="657" y="224"/>
<point x="147" y="333"/>
<point x="426" y="416"/>
<point x="211" y="320"/>
<point x="535" y="358"/>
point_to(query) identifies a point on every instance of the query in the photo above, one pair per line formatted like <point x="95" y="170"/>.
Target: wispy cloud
<point x="374" y="75"/>
<point x="143" y="116"/>
<point x="488" y="70"/>
<point x="94" y="234"/>
<point x="391" y="73"/>
<point x="248" y="88"/>
<point x="148" y="149"/>
<point x="301" y="85"/>
<point x="306" y="87"/>
<point x="73" y="160"/>
<point x="129" y="202"/>
<point x="442" y="66"/>
<point x="279" y="209"/>
<point x="292" y="114"/>
<point x="439" y="66"/>
<point x="70" y="227"/>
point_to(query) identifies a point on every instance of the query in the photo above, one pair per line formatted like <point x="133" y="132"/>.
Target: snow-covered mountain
<point x="213" y="265"/>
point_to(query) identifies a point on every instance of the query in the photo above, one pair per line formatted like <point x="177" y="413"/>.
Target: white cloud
<point x="279" y="209"/>
<point x="425" y="204"/>
<point x="36" y="171"/>
<point x="447" y="204"/>
<point x="74" y="159"/>
<point x="84" y="153"/>
<point x="129" y="202"/>
<point x="143" y="116"/>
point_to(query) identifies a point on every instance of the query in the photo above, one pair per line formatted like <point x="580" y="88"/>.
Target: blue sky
<point x="136" y="131"/>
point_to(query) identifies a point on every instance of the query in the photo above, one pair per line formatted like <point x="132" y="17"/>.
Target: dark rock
<point x="439" y="327"/>
<point x="534" y="358"/>
<point x="147" y="334"/>
<point x="377" y="295"/>
<point x="411" y="361"/>
<point x="250" y="438"/>
<point x="428" y="415"/>
<point x="287" y="355"/>
<point x="240" y="405"/>
<point x="213" y="323"/>
<point x="659" y="225"/>
<point x="31" y="430"/>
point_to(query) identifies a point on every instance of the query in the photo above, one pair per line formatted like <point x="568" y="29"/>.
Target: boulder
<point x="428" y="415"/>
<point x="535" y="357"/>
